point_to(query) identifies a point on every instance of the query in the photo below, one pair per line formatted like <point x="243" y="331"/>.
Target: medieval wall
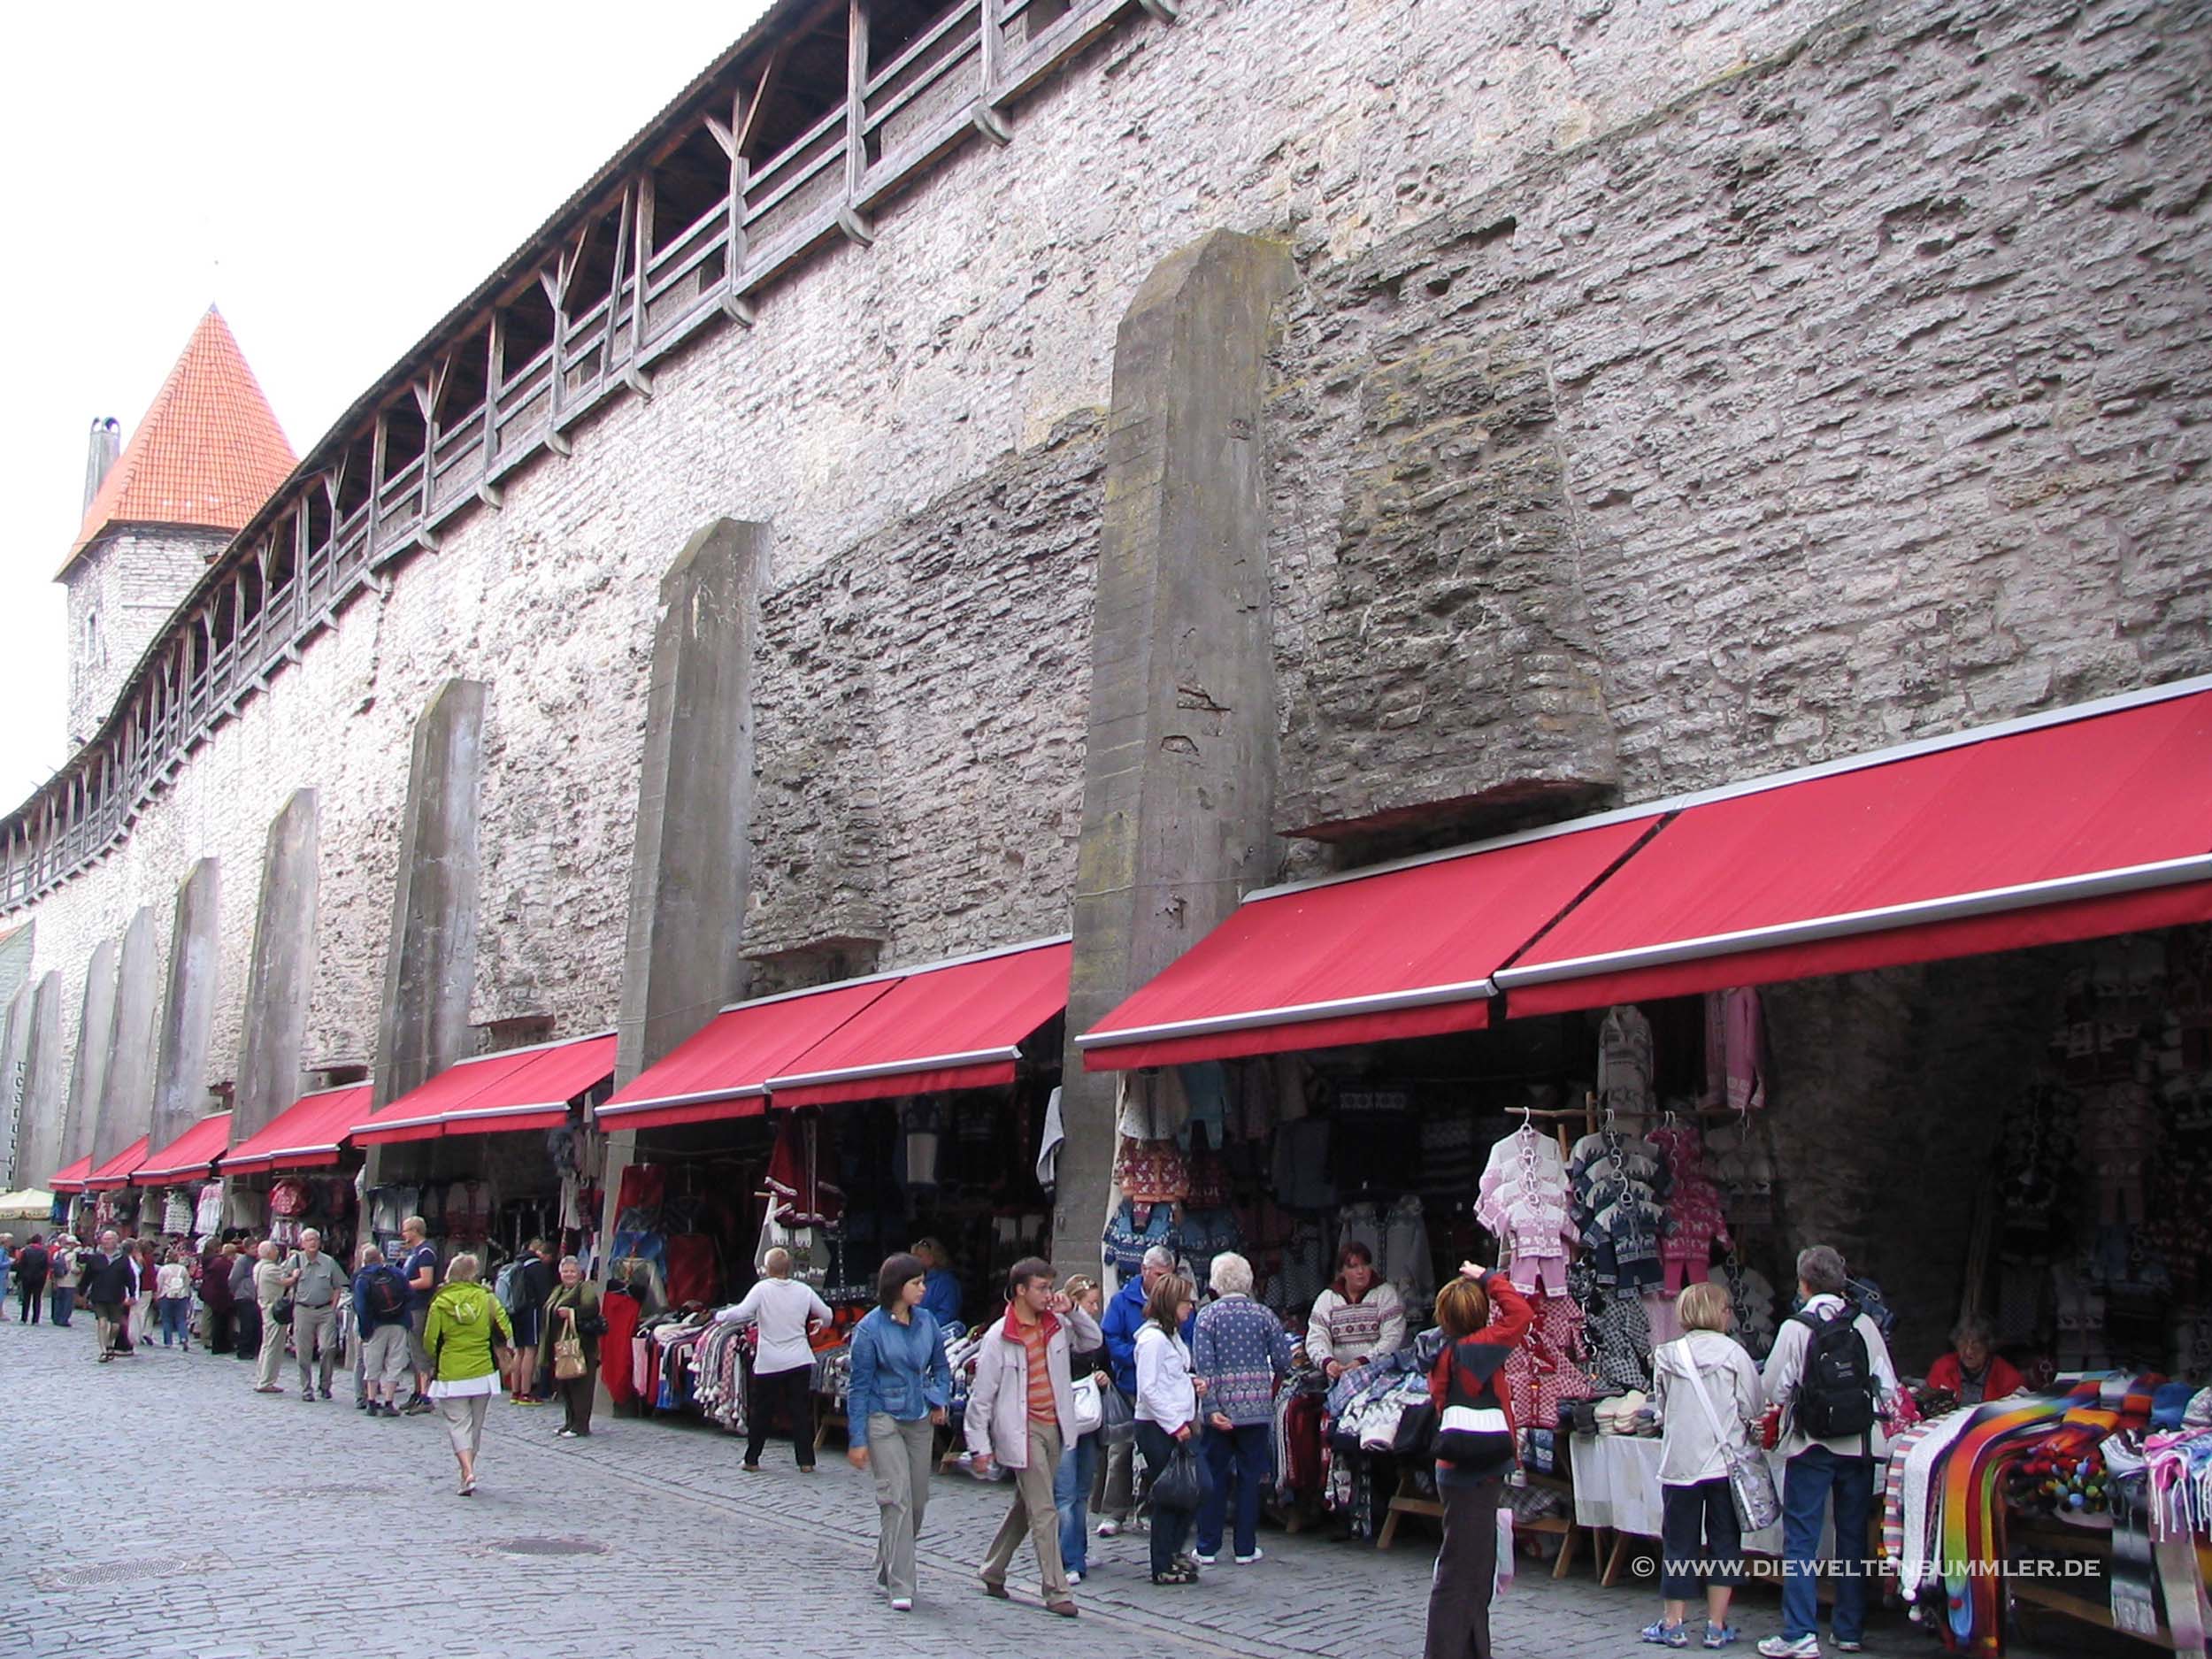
<point x="1673" y="392"/>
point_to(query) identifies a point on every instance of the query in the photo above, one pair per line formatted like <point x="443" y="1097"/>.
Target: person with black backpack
<point x="1829" y="1372"/>
<point x="379" y="1315"/>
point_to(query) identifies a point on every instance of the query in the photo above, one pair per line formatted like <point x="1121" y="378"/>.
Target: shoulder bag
<point x="1180" y="1488"/>
<point x="1750" y="1480"/>
<point x="1090" y="1410"/>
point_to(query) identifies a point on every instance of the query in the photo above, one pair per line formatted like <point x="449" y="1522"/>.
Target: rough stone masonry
<point x="1659" y="395"/>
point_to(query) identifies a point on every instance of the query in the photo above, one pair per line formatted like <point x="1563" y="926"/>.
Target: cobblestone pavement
<point x="159" y="1508"/>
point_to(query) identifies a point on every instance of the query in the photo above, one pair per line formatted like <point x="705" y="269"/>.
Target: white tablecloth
<point x="1616" y="1486"/>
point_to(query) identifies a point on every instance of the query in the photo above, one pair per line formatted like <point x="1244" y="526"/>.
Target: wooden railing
<point x="953" y="82"/>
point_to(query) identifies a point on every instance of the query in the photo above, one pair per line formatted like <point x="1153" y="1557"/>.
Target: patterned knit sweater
<point x="1242" y="1352"/>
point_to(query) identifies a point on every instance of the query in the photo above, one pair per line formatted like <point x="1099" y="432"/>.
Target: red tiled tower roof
<point x="208" y="453"/>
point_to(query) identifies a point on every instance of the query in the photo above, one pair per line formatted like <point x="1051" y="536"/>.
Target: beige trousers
<point x="1033" y="1513"/>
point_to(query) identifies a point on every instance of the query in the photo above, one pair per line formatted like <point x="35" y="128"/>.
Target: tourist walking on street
<point x="7" y="1266"/>
<point x="573" y="1312"/>
<point x="316" y="1281"/>
<point x="173" y="1295"/>
<point x="1830" y="1373"/>
<point x="31" y="1267"/>
<point x="380" y="1333"/>
<point x="245" y="1304"/>
<point x="1707" y="1390"/>
<point x="1079" y="1464"/>
<point x="215" y="1264"/>
<point x="534" y="1280"/>
<point x="1020" y="1410"/>
<point x="900" y="1390"/>
<point x="465" y="1322"/>
<point x="785" y="1310"/>
<point x="1483" y="1318"/>
<point x="63" y="1276"/>
<point x="1241" y="1354"/>
<point x="1167" y="1416"/>
<point x="420" y="1269"/>
<point x="1113" y="1492"/>
<point x="111" y="1284"/>
<point x="268" y="1290"/>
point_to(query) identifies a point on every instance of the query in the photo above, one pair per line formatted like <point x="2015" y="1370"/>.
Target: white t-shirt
<point x="782" y="1308"/>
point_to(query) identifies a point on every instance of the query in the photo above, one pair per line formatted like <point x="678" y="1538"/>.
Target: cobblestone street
<point x="159" y="1508"/>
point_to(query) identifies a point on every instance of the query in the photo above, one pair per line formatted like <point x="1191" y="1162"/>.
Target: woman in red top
<point x="1483" y="1318"/>
<point x="1973" y="1371"/>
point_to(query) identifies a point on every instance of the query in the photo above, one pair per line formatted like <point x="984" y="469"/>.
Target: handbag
<point x="568" y="1353"/>
<point x="1416" y="1431"/>
<point x="280" y="1310"/>
<point x="1180" y="1488"/>
<point x="1750" y="1479"/>
<point x="1116" y="1417"/>
<point x="1090" y="1410"/>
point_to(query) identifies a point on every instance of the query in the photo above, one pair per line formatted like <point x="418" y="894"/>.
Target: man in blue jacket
<point x="1125" y="1317"/>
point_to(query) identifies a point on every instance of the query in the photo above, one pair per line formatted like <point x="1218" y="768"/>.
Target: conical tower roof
<point x="208" y="453"/>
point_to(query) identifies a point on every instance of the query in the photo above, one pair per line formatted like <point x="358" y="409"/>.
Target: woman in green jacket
<point x="572" y="1311"/>
<point x="465" y="1319"/>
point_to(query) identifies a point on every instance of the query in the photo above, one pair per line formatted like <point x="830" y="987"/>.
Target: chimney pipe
<point x="107" y="443"/>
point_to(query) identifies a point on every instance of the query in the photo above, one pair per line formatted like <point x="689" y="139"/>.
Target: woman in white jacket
<point x="1698" y="1516"/>
<point x="1167" y="1415"/>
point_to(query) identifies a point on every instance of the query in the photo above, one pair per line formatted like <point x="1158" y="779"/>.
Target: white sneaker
<point x="1075" y="1578"/>
<point x="902" y="1604"/>
<point x="1246" y="1561"/>
<point x="1783" y="1648"/>
<point x="1109" y="1529"/>
<point x="1203" y="1560"/>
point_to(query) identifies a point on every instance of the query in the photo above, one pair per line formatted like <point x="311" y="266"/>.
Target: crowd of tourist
<point x="1066" y="1386"/>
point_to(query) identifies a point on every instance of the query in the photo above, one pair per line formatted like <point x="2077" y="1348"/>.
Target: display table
<point x="1616" y="1490"/>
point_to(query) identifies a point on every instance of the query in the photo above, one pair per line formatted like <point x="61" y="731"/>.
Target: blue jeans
<point x="176" y="1320"/>
<point x="1810" y="1476"/>
<point x="1072" y="1496"/>
<point x="65" y="1299"/>
<point x="1244" y="1449"/>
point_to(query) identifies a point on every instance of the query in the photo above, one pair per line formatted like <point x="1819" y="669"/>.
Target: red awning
<point x="117" y="1170"/>
<point x="723" y="1070"/>
<point x="69" y="1178"/>
<point x="1405" y="950"/>
<point x="2092" y="821"/>
<point x="515" y="1088"/>
<point x="189" y="1156"/>
<point x="953" y="1026"/>
<point x="305" y="1134"/>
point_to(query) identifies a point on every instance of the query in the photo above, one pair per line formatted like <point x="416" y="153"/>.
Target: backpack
<point x="386" y="1293"/>
<point x="1837" y="1395"/>
<point x="507" y="1288"/>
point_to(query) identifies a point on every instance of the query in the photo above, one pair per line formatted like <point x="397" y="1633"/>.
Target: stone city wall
<point x="1670" y="393"/>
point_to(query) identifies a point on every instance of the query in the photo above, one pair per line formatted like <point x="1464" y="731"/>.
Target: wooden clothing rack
<point x="1408" y="1500"/>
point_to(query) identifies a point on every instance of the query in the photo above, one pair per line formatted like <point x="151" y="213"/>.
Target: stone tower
<point x="207" y="454"/>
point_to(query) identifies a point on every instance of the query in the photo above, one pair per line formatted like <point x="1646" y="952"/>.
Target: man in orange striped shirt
<point x="1021" y="1409"/>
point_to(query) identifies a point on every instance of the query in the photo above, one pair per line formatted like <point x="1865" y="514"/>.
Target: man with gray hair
<point x="1242" y="1353"/>
<point x="111" y="1284"/>
<point x="1116" y="1498"/>
<point x="268" y="1290"/>
<point x="1830" y="1373"/>
<point x="316" y="1281"/>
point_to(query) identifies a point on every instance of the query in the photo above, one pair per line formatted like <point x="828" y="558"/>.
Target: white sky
<point x="335" y="177"/>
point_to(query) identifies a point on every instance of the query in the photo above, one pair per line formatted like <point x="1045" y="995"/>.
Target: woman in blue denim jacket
<point x="901" y="1386"/>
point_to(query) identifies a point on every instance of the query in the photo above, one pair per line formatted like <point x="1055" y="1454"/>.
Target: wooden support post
<point x="849" y="219"/>
<point x="734" y="262"/>
<point x="643" y="237"/>
<point x="494" y="353"/>
<point x="376" y="490"/>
